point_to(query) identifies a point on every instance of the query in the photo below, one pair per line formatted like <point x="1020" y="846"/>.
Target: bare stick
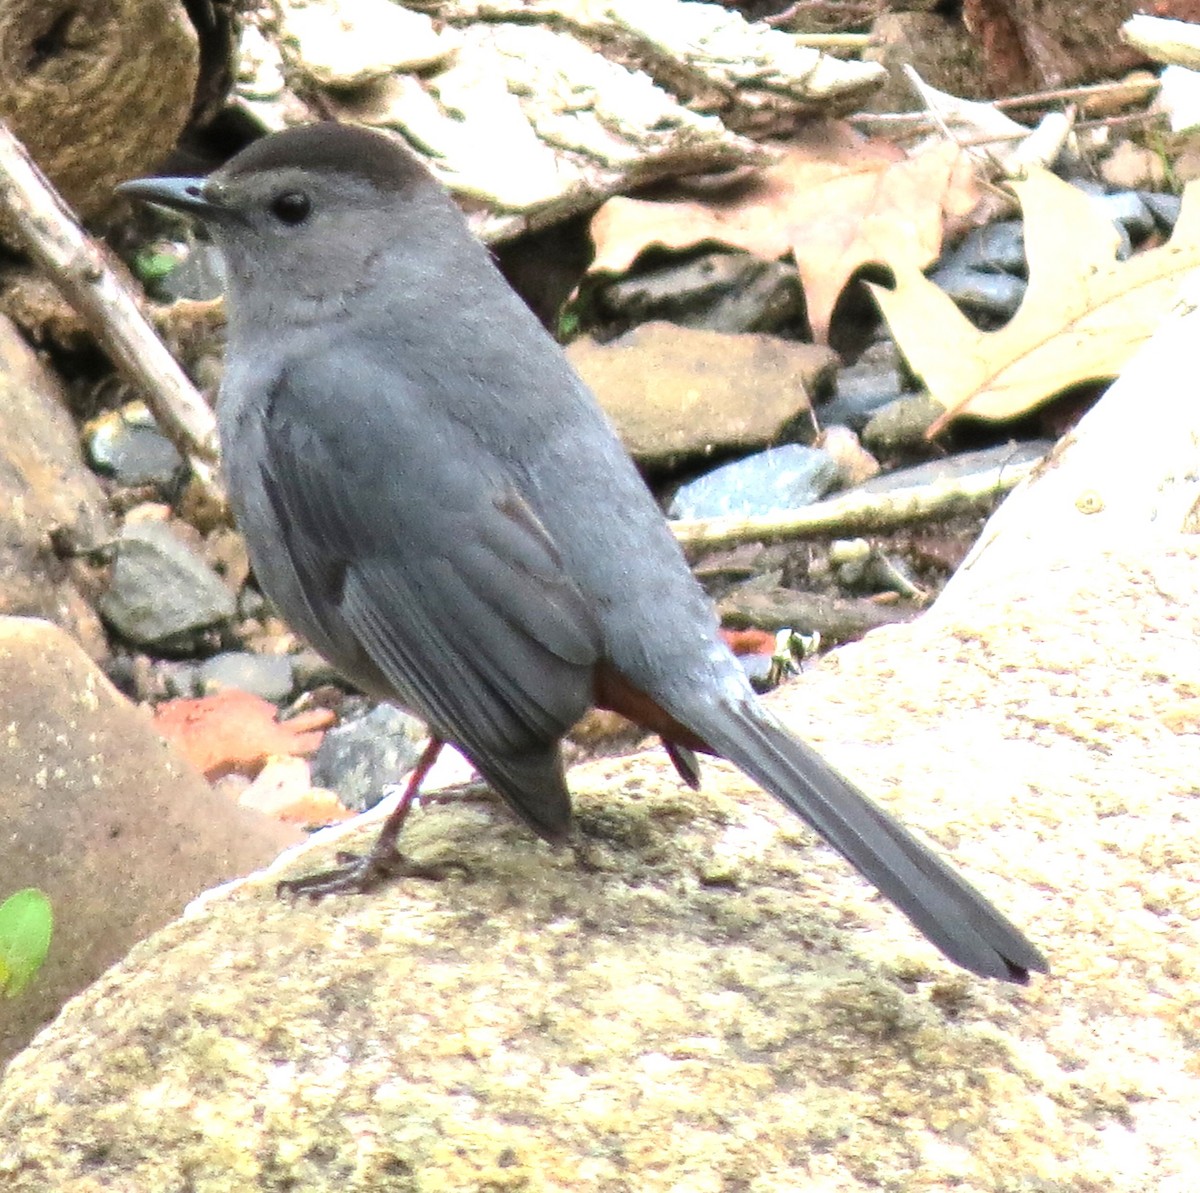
<point x="1041" y="99"/>
<point x="78" y="267"/>
<point x="862" y="510"/>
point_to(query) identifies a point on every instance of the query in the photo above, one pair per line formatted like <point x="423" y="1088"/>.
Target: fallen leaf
<point x="236" y="731"/>
<point x="749" y="641"/>
<point x="26" y="926"/>
<point x="1083" y="316"/>
<point x="834" y="200"/>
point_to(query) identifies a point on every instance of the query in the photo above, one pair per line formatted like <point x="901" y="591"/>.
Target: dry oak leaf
<point x="834" y="200"/>
<point x="1083" y="315"/>
<point x="235" y="731"/>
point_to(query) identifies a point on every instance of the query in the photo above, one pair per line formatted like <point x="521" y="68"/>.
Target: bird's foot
<point x="357" y="873"/>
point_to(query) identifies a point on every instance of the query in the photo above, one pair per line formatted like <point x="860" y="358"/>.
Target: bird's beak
<point x="179" y="194"/>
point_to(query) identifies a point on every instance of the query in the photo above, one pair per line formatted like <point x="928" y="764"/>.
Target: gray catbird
<point x="433" y="498"/>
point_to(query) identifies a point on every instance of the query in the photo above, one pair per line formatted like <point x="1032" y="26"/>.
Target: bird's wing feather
<point x="441" y="574"/>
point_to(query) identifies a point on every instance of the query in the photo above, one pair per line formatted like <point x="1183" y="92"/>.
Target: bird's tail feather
<point x="941" y="904"/>
<point x="533" y="784"/>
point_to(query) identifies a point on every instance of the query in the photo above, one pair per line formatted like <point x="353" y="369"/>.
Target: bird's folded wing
<point x="439" y="570"/>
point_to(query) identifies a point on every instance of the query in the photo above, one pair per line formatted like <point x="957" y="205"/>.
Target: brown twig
<point x="80" y="270"/>
<point x="1035" y="99"/>
<point x="840" y="13"/>
<point x="1039" y="99"/>
<point x="859" y="511"/>
<point x="1123" y="120"/>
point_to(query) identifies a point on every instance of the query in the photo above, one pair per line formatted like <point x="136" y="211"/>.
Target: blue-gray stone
<point x="129" y="447"/>
<point x="728" y="292"/>
<point x="266" y="675"/>
<point x="994" y="248"/>
<point x="360" y="759"/>
<point x="1164" y="208"/>
<point x="995" y="294"/>
<point x="1126" y="209"/>
<point x="862" y="389"/>
<point x="161" y="590"/>
<point x="963" y="465"/>
<point x="768" y="482"/>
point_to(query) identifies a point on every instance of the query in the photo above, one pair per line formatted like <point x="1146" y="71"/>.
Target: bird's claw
<point x="358" y="873"/>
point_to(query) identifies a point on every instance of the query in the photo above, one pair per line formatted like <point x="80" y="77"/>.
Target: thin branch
<point x="861" y="510"/>
<point x="80" y="270"/>
<point x="1035" y="99"/>
<point x="1040" y="99"/>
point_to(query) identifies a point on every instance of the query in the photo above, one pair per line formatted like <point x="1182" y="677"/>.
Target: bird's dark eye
<point x="292" y="207"/>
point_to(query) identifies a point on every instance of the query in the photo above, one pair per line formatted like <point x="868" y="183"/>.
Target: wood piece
<point x="79" y="268"/>
<point x="860" y="510"/>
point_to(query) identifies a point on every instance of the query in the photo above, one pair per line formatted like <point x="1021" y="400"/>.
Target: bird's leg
<point x="360" y="872"/>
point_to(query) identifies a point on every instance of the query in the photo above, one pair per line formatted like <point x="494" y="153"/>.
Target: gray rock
<point x="1090" y="187"/>
<point x="985" y="273"/>
<point x="995" y="294"/>
<point x="161" y="590"/>
<point x="728" y="292"/>
<point x="360" y="759"/>
<point x="1164" y="208"/>
<point x="994" y="248"/>
<point x="862" y="390"/>
<point x="961" y="465"/>
<point x="779" y="478"/>
<point x="266" y="675"/>
<point x="901" y="424"/>
<point x="127" y="445"/>
<point x="1127" y="210"/>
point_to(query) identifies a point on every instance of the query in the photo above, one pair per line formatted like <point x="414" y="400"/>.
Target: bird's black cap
<point x="332" y="148"/>
<point x="327" y="147"/>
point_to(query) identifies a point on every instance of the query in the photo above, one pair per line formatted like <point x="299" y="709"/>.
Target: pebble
<point x="994" y="248"/>
<point x="729" y="292"/>
<point x="1179" y="96"/>
<point x="855" y="464"/>
<point x="162" y="592"/>
<point x="768" y="482"/>
<point x="127" y="445"/>
<point x="962" y="465"/>
<point x="985" y="273"/>
<point x="361" y="758"/>
<point x="997" y="295"/>
<point x="901" y="424"/>
<point x="270" y="676"/>
<point x="1126" y="210"/>
<point x="1164" y="208"/>
<point x="862" y="390"/>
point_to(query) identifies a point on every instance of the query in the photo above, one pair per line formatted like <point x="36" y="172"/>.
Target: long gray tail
<point x="947" y="909"/>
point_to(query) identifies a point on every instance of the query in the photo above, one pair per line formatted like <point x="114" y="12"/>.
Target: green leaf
<point x="26" y="924"/>
<point x="151" y="266"/>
